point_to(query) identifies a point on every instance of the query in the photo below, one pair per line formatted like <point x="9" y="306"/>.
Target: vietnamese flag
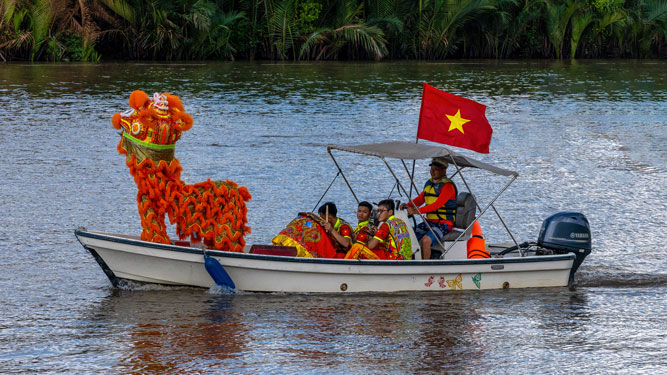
<point x="453" y="120"/>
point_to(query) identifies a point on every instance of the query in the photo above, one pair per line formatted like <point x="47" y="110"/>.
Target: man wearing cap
<point x="439" y="199"/>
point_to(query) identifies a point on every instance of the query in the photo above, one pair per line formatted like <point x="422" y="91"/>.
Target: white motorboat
<point x="564" y="241"/>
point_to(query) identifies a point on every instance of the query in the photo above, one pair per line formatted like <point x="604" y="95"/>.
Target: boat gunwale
<point x="402" y="263"/>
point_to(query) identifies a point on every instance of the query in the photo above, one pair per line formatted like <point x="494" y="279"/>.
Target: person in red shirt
<point x="364" y="229"/>
<point x="391" y="241"/>
<point x="439" y="200"/>
<point x="337" y="228"/>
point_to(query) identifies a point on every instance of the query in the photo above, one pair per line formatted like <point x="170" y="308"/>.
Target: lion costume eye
<point x="136" y="127"/>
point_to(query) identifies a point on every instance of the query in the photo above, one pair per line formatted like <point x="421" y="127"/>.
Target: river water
<point x="588" y="136"/>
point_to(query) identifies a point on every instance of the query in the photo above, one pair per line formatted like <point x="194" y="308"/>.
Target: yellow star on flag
<point x="456" y="121"/>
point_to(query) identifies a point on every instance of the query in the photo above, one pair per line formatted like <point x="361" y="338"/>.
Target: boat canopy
<point x="414" y="151"/>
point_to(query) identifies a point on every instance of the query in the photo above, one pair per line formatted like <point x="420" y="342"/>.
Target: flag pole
<point x="412" y="174"/>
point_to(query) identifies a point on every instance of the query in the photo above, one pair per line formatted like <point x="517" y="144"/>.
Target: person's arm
<point x="380" y="236"/>
<point x="344" y="241"/>
<point x="411" y="206"/>
<point x="346" y="233"/>
<point x="419" y="200"/>
<point x="447" y="193"/>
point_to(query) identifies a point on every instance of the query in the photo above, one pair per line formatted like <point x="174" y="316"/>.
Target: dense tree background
<point x="91" y="30"/>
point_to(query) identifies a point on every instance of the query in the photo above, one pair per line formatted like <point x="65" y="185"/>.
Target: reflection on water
<point x="523" y="330"/>
<point x="159" y="340"/>
<point x="587" y="136"/>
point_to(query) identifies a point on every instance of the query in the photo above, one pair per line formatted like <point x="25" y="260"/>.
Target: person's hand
<point x="403" y="205"/>
<point x="327" y="227"/>
<point x="412" y="210"/>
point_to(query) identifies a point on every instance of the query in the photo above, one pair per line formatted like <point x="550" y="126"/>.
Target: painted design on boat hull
<point x="456" y="282"/>
<point x="477" y="279"/>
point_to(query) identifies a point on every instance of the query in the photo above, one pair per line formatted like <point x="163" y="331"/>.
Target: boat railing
<point x="452" y="157"/>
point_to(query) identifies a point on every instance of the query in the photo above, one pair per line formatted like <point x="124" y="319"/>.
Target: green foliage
<point x="73" y="47"/>
<point x="606" y="5"/>
<point x="67" y="46"/>
<point x="349" y="36"/>
<point x="41" y="16"/>
<point x="122" y="9"/>
<point x="307" y="13"/>
<point x="70" y="30"/>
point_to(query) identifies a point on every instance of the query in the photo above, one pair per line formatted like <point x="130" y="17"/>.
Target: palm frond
<point x="579" y="23"/>
<point x="654" y="10"/>
<point x="281" y="25"/>
<point x="7" y="8"/>
<point x="123" y="9"/>
<point x="317" y="38"/>
<point x="369" y="38"/>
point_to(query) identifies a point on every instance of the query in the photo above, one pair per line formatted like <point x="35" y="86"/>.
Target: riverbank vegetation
<point x="91" y="30"/>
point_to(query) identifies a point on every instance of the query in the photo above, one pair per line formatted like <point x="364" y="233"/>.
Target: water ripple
<point x="585" y="136"/>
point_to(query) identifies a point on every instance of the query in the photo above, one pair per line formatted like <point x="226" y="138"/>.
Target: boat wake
<point x="616" y="279"/>
<point x="222" y="290"/>
<point x="135" y="286"/>
<point x="148" y="287"/>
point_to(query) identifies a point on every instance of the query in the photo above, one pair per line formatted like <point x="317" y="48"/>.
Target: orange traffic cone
<point x="476" y="245"/>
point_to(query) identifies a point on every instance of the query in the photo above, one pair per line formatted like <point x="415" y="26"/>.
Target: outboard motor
<point x="567" y="232"/>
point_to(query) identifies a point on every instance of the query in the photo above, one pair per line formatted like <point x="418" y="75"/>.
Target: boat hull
<point x="127" y="258"/>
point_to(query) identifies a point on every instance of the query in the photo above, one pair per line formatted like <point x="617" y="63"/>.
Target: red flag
<point x="453" y="120"/>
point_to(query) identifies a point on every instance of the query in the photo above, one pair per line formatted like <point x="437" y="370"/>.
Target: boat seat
<point x="465" y="215"/>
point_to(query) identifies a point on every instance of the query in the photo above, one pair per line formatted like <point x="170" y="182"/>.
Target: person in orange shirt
<point x="439" y="200"/>
<point x="337" y="228"/>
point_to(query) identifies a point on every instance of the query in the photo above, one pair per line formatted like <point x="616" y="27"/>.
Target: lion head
<point x="152" y="125"/>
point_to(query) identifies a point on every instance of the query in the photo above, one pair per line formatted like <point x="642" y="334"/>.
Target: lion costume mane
<point x="212" y="211"/>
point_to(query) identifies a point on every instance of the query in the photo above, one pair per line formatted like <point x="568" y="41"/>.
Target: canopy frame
<point x="414" y="151"/>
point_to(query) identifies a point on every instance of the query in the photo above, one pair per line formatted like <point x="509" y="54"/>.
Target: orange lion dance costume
<point x="212" y="211"/>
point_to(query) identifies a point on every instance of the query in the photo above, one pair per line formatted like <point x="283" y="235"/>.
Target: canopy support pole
<point x="495" y="210"/>
<point x="458" y="171"/>
<point x="326" y="191"/>
<point x="421" y="153"/>
<point x="414" y="161"/>
<point x="410" y="176"/>
<point x="482" y="211"/>
<point x="508" y="230"/>
<point x="392" y="190"/>
<point x="343" y="174"/>
<point x="405" y="191"/>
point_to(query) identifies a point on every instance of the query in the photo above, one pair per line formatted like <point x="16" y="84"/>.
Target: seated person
<point x="439" y="200"/>
<point x="307" y="235"/>
<point x="364" y="230"/>
<point x="338" y="229"/>
<point x="391" y="241"/>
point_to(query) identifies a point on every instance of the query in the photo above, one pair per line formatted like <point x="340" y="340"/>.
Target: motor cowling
<point x="567" y="232"/>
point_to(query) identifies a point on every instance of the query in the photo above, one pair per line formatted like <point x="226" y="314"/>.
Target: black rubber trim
<point x="115" y="281"/>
